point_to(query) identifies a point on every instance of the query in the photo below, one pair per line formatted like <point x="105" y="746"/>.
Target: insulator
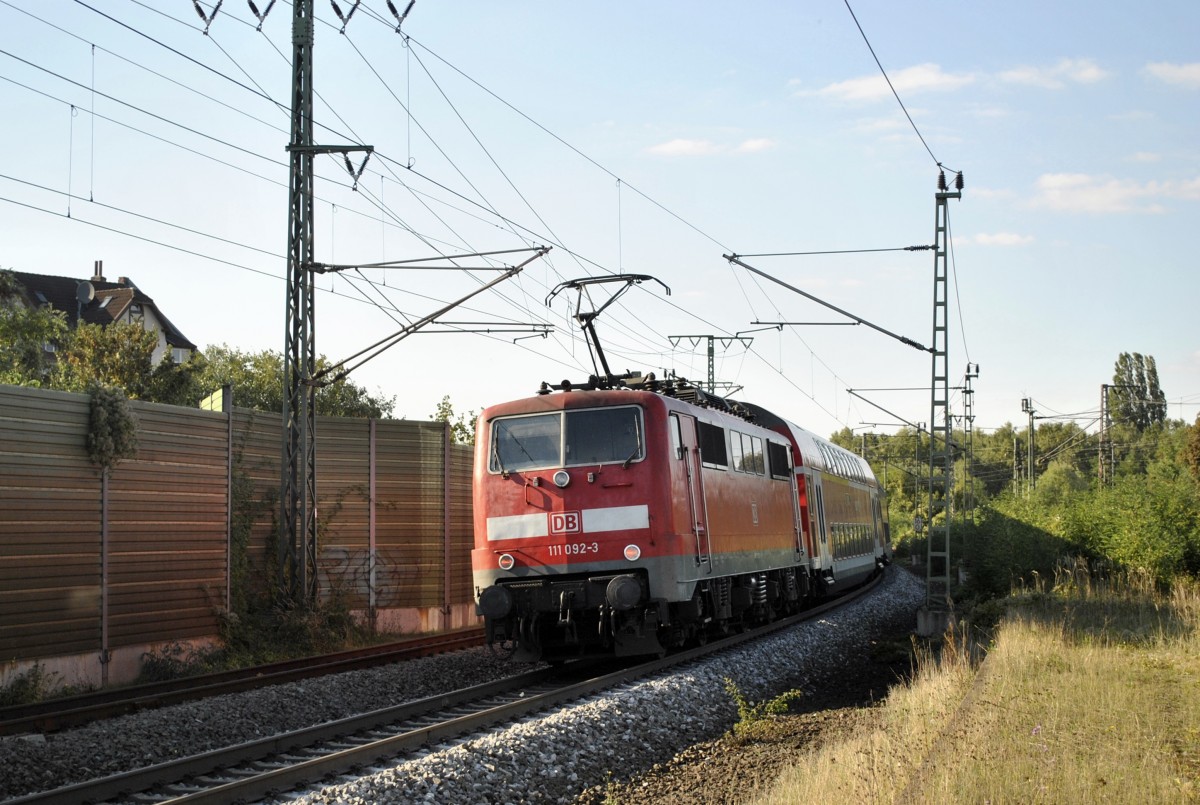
<point x="941" y="180"/>
<point x="958" y="181"/>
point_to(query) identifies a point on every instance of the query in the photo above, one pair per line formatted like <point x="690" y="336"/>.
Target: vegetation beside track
<point x="1088" y="694"/>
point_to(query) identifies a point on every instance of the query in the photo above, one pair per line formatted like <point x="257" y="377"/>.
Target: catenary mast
<point x="297" y="551"/>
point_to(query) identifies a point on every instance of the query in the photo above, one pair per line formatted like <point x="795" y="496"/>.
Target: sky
<point x="647" y="139"/>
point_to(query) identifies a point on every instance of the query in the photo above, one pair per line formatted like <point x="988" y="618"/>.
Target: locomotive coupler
<point x="564" y="607"/>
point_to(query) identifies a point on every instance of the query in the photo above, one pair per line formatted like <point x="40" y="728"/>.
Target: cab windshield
<point x="567" y="438"/>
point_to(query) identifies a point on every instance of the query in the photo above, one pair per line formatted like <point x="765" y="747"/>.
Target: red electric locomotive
<point x="632" y="515"/>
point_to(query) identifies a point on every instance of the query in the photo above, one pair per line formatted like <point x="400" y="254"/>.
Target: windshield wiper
<point x="637" y="436"/>
<point x="496" y="454"/>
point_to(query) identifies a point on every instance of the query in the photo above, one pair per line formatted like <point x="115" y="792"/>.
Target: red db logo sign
<point x="565" y="523"/>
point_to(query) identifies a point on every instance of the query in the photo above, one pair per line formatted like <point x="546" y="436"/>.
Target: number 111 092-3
<point x="575" y="549"/>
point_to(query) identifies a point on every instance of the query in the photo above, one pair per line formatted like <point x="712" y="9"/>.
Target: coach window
<point x="603" y="436"/>
<point x="777" y="458"/>
<point x="712" y="445"/>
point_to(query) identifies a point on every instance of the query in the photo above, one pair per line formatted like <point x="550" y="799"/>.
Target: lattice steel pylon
<point x="297" y="547"/>
<point x="934" y="616"/>
<point x="969" y="427"/>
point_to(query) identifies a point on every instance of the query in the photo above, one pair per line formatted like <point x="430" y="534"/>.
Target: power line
<point x="890" y="86"/>
<point x="146" y="112"/>
<point x="493" y="214"/>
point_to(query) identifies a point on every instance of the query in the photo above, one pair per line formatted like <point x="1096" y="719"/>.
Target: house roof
<point x="110" y="302"/>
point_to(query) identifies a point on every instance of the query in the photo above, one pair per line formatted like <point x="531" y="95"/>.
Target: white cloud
<point x="1001" y="239"/>
<point x="753" y="146"/>
<point x="1145" y="156"/>
<point x="1081" y="192"/>
<point x="990" y="112"/>
<point x="1183" y="75"/>
<point x="909" y="81"/>
<point x="889" y="124"/>
<point x="685" y="148"/>
<point x="1073" y="71"/>
<point x="988" y="192"/>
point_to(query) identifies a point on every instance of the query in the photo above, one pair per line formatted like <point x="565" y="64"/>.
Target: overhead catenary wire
<point x="527" y="118"/>
<point x="575" y="254"/>
<point x="138" y="108"/>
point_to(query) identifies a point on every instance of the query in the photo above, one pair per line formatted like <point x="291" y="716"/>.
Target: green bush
<point x="28" y="687"/>
<point x="752" y="716"/>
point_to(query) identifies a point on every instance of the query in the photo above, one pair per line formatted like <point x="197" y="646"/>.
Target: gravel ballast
<point x="552" y="758"/>
<point x="36" y="763"/>
<point x="543" y="759"/>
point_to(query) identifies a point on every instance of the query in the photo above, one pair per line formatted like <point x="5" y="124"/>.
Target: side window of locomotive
<point x="525" y="442"/>
<point x="676" y="437"/>
<point x="754" y="454"/>
<point x="737" y="457"/>
<point x="712" y="445"/>
<point x="604" y="436"/>
<point x="777" y="459"/>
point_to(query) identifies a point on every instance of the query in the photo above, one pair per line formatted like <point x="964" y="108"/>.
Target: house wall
<point x="151" y="322"/>
<point x="94" y="572"/>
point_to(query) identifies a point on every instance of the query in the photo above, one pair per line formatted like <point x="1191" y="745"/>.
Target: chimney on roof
<point x="123" y="281"/>
<point x="98" y="271"/>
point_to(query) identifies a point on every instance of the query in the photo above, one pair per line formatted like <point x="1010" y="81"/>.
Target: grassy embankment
<point x="1090" y="693"/>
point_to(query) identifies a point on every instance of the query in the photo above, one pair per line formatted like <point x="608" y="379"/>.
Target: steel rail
<point x="74" y="711"/>
<point x="268" y="766"/>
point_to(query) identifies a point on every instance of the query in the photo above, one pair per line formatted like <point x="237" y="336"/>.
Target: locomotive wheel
<point x="503" y="649"/>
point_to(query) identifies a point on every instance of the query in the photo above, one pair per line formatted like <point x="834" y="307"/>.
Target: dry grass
<point x="1090" y="694"/>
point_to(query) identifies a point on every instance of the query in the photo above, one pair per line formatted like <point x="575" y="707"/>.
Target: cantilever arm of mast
<point x="733" y="258"/>
<point x="917" y="426"/>
<point x="415" y="264"/>
<point x="339" y="370"/>
<point x="913" y="425"/>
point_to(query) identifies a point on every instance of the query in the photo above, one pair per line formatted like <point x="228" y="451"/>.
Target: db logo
<point x="564" y="523"/>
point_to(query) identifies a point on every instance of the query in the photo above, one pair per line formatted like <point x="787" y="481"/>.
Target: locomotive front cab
<point x="564" y="504"/>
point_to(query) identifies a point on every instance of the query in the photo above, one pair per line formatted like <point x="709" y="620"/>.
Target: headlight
<point x="562" y="478"/>
<point x="506" y="561"/>
<point x="633" y="553"/>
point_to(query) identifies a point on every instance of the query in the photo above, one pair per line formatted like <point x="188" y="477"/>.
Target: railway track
<point x="75" y="711"/>
<point x="281" y="763"/>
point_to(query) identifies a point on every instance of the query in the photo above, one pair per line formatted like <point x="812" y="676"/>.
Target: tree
<point x="462" y="429"/>
<point x="1191" y="448"/>
<point x="257" y="381"/>
<point x="178" y="383"/>
<point x="116" y="356"/>
<point x="24" y="334"/>
<point x="1135" y="397"/>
